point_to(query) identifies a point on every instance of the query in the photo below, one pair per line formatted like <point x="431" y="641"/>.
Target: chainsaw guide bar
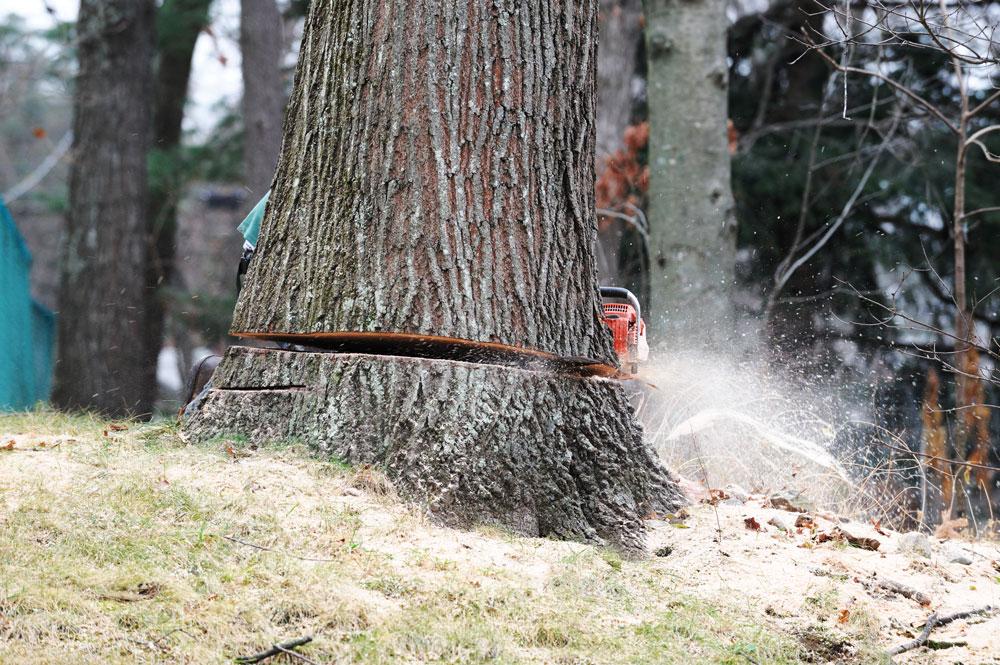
<point x="442" y="348"/>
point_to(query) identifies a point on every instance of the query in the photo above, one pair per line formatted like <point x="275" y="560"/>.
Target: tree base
<point x="539" y="453"/>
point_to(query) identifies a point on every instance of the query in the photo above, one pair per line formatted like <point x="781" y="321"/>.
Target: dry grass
<point x="123" y="546"/>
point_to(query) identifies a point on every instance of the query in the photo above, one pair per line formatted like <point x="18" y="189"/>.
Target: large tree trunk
<point x="103" y="341"/>
<point x="430" y="210"/>
<point x="540" y="453"/>
<point x="691" y="216"/>
<point x="261" y="47"/>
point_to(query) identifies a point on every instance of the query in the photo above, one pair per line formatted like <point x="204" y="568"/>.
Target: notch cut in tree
<point x="435" y="190"/>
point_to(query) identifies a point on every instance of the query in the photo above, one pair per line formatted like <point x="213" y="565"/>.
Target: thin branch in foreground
<point x="933" y="621"/>
<point x="970" y="465"/>
<point x="271" y="549"/>
<point x="282" y="647"/>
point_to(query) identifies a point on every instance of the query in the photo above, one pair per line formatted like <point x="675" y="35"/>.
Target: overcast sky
<point x="212" y="81"/>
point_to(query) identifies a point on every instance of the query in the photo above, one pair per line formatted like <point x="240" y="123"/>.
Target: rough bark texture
<point x="620" y="35"/>
<point x="691" y="215"/>
<point x="262" y="48"/>
<point x="437" y="177"/>
<point x="103" y="342"/>
<point x="542" y="454"/>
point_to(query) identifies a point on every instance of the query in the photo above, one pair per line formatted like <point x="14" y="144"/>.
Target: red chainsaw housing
<point x="625" y="327"/>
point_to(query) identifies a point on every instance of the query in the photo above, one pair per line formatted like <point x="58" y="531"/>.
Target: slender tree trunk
<point x="178" y="25"/>
<point x="103" y="339"/>
<point x="620" y="35"/>
<point x="261" y="47"/>
<point x="620" y="29"/>
<point x="691" y="216"/>
<point x="436" y="218"/>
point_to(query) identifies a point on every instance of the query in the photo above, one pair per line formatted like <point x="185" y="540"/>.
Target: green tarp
<point x="27" y="329"/>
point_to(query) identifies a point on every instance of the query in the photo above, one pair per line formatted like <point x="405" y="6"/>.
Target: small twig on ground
<point x="282" y="647"/>
<point x="933" y="621"/>
<point x="920" y="639"/>
<point x="295" y="654"/>
<point x="900" y="589"/>
<point x="271" y="549"/>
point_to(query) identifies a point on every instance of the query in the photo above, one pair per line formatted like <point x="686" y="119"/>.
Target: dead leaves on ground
<point x="142" y="591"/>
<point x="951" y="529"/>
<point x="837" y="535"/>
<point x="36" y="446"/>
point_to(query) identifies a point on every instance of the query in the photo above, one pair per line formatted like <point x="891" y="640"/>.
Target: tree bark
<point x="261" y="48"/>
<point x="536" y="452"/>
<point x="620" y="35"/>
<point x="452" y="196"/>
<point x="435" y="190"/>
<point x="103" y="342"/>
<point x="691" y="215"/>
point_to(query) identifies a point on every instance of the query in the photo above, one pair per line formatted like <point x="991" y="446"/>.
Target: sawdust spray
<point x="718" y="421"/>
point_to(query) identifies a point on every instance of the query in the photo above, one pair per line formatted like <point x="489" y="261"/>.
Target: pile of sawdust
<point x="813" y="582"/>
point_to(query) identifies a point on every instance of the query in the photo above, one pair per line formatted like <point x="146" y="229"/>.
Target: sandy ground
<point x="801" y="583"/>
<point x="820" y="592"/>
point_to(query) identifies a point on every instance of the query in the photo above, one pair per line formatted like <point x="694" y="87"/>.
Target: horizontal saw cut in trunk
<point x="540" y="453"/>
<point x="430" y="239"/>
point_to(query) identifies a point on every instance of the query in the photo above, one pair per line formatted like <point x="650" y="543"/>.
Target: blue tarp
<point x="27" y="330"/>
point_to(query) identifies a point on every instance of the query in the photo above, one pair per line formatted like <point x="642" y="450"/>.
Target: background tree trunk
<point x="178" y="26"/>
<point x="620" y="32"/>
<point x="691" y="216"/>
<point x="452" y="198"/>
<point x="261" y="48"/>
<point x="103" y="355"/>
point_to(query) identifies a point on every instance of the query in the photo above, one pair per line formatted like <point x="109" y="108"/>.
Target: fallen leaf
<point x="751" y="523"/>
<point x="860" y="542"/>
<point x="804" y="521"/>
<point x="782" y="503"/>
<point x="951" y="528"/>
<point x="843" y="615"/>
<point x="715" y="496"/>
<point x="115" y="427"/>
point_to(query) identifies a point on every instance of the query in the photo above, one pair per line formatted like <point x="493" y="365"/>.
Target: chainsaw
<point x="623" y="316"/>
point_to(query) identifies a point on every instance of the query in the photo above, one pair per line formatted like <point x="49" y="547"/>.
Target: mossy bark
<point x="539" y="453"/>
